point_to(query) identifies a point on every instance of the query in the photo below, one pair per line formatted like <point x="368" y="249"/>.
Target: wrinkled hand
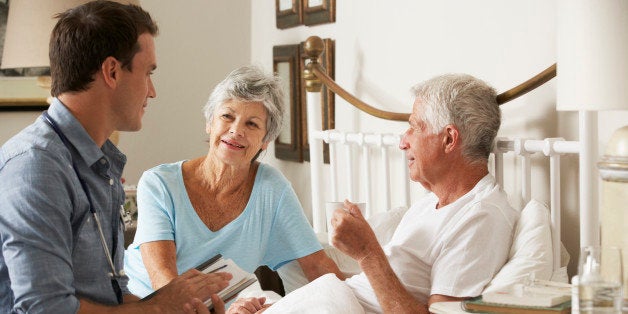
<point x="353" y="235"/>
<point x="188" y="291"/>
<point x="248" y="306"/>
<point x="198" y="307"/>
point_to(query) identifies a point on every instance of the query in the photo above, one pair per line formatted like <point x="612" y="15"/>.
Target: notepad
<point x="241" y="278"/>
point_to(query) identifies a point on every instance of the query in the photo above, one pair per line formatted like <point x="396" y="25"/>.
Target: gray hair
<point x="251" y="84"/>
<point x="466" y="102"/>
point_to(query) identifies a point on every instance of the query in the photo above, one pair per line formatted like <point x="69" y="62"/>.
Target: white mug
<point x="330" y="207"/>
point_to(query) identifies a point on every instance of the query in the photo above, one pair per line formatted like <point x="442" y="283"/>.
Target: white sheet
<point x="327" y="294"/>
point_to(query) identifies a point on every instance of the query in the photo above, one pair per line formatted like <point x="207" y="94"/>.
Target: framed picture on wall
<point x="288" y="13"/>
<point x="21" y="94"/>
<point x="288" y="146"/>
<point x="291" y="13"/>
<point x="319" y="12"/>
<point x="289" y="63"/>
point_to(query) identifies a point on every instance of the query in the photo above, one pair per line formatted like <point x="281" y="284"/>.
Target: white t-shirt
<point x="454" y="250"/>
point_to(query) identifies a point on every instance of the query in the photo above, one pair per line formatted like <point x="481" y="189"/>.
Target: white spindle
<point x="499" y="168"/>
<point x="316" y="161"/>
<point x="406" y="180"/>
<point x="333" y="171"/>
<point x="526" y="174"/>
<point x="366" y="172"/>
<point x="349" y="173"/>
<point x="386" y="166"/>
<point x="555" y="207"/>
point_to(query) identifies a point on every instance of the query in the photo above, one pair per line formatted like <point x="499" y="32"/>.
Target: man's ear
<point x="110" y="70"/>
<point x="451" y="138"/>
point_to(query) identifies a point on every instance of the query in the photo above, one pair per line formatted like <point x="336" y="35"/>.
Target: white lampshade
<point x="592" y="55"/>
<point x="29" y="25"/>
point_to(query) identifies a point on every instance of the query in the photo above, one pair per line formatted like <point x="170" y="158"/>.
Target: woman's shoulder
<point x="267" y="171"/>
<point x="267" y="174"/>
<point x="167" y="170"/>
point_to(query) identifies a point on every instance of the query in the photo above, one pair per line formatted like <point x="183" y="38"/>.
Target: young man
<point x="60" y="228"/>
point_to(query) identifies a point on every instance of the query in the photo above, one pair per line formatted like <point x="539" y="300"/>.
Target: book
<point x="241" y="278"/>
<point x="447" y="307"/>
<point x="541" y="295"/>
<point x="477" y="305"/>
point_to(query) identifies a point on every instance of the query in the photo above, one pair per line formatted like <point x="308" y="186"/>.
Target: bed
<point x="369" y="167"/>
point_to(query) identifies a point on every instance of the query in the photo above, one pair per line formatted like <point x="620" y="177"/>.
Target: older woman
<point x="225" y="202"/>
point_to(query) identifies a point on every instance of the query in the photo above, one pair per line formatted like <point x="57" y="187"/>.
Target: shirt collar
<point x="80" y="139"/>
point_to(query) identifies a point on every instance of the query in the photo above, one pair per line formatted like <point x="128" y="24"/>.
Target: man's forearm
<point x="391" y="294"/>
<point x="87" y="306"/>
<point x="318" y="264"/>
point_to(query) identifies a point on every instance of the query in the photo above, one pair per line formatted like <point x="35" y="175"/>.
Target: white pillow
<point x="531" y="250"/>
<point x="384" y="224"/>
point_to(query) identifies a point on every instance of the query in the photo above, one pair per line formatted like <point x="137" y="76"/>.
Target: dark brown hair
<point x="86" y="35"/>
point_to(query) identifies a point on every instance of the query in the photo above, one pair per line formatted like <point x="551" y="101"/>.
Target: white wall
<point x="384" y="47"/>
<point x="199" y="42"/>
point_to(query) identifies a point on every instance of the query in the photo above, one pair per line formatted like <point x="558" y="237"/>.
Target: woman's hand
<point x="198" y="307"/>
<point x="248" y="306"/>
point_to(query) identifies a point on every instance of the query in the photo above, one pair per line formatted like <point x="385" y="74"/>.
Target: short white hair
<point x="466" y="102"/>
<point x="251" y="84"/>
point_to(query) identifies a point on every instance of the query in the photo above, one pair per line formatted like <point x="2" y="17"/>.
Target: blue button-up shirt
<point x="51" y="251"/>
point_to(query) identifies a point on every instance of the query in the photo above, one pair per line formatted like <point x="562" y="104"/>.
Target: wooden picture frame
<point x="289" y="63"/>
<point x="288" y="146"/>
<point x="319" y="12"/>
<point x="288" y="13"/>
<point x="328" y="105"/>
<point x="21" y="94"/>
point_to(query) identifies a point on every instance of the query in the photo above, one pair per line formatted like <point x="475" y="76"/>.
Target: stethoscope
<point x="113" y="274"/>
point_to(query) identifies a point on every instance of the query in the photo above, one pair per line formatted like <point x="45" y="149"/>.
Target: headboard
<point x="361" y="158"/>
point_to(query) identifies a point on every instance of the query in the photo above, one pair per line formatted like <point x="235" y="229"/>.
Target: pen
<point x="217" y="269"/>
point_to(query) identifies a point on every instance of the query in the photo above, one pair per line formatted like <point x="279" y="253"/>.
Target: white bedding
<point x="327" y="294"/>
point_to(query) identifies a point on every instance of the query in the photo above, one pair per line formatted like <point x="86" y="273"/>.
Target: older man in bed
<point x="450" y="243"/>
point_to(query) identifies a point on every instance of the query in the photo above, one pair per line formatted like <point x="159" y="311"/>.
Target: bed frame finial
<point x="313" y="47"/>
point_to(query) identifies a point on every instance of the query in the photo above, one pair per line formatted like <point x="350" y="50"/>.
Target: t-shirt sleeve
<point x="291" y="235"/>
<point x="476" y="250"/>
<point x="155" y="210"/>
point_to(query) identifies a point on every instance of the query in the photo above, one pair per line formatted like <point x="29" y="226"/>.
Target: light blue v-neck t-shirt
<point x="272" y="230"/>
